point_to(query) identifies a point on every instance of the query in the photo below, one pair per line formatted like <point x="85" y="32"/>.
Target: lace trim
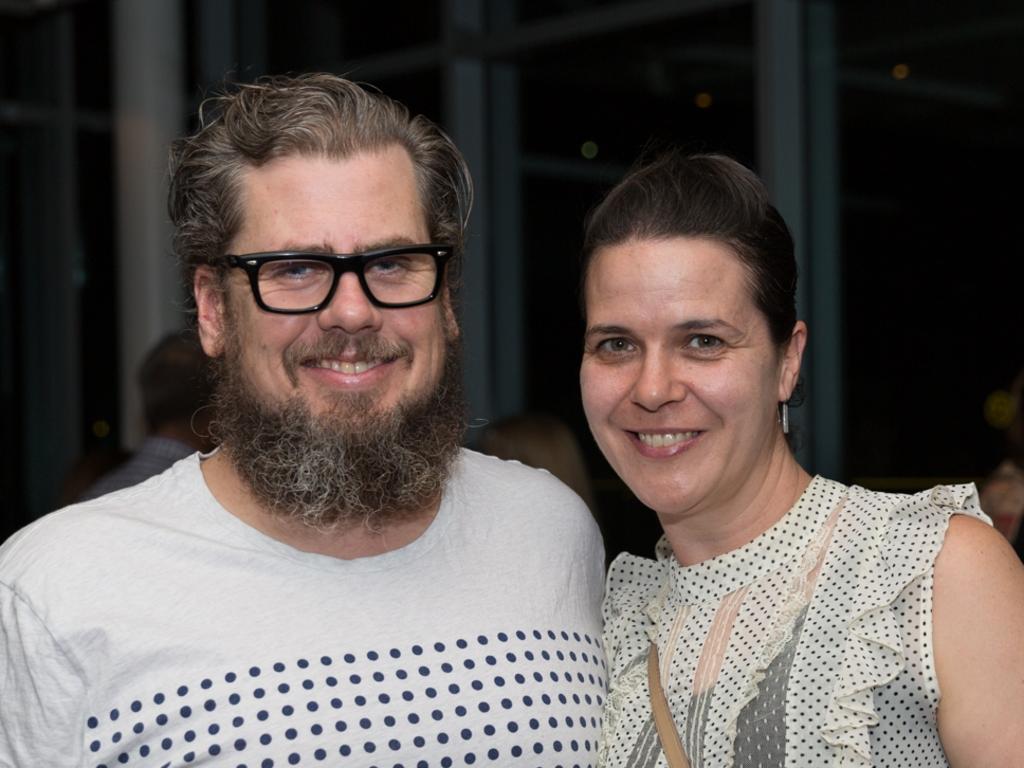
<point x="798" y="594"/>
<point x="631" y="683"/>
<point x="632" y="680"/>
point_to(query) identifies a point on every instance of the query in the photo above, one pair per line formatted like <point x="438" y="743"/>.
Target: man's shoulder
<point x="64" y="544"/>
<point x="518" y="482"/>
<point x="507" y="499"/>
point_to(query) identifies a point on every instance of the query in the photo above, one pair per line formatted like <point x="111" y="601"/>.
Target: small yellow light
<point x="702" y="100"/>
<point x="1000" y="409"/>
<point x="589" y="149"/>
<point x="101" y="428"/>
<point x="900" y="72"/>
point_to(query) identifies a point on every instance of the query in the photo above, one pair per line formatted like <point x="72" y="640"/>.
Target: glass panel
<point x="92" y="41"/>
<point x="98" y="294"/>
<point x="932" y="141"/>
<point x="590" y="107"/>
<point x="11" y="425"/>
<point x="312" y="34"/>
<point x="24" y="74"/>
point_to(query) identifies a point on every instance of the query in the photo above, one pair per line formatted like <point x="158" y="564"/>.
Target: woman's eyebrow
<point x="706" y="324"/>
<point x="606" y="330"/>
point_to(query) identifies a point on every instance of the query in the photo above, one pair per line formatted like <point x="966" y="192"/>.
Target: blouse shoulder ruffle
<point x="899" y="539"/>
<point x="632" y="601"/>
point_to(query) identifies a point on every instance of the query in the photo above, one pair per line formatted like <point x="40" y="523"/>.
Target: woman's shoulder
<point x="633" y="582"/>
<point x="909" y="525"/>
<point x="885" y="542"/>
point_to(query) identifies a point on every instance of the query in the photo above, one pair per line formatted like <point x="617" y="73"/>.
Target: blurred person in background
<point x="174" y="382"/>
<point x="1002" y="495"/>
<point x="540" y="440"/>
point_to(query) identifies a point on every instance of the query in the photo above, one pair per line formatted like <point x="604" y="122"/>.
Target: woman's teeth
<point x="661" y="439"/>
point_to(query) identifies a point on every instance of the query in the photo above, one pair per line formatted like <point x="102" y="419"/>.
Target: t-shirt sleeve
<point x="41" y="692"/>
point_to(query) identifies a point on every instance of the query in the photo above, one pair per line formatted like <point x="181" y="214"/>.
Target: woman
<point x="797" y="622"/>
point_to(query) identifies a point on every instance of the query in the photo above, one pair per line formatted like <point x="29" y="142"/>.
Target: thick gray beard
<point x="353" y="465"/>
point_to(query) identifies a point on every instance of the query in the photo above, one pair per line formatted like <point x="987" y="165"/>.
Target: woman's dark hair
<point x="710" y="196"/>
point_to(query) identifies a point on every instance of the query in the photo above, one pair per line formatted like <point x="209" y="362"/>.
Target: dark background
<point x="929" y="194"/>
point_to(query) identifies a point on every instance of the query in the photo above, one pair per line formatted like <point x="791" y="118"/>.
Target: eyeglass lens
<point x="391" y="279"/>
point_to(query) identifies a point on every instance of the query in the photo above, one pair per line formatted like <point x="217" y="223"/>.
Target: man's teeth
<point x="360" y="366"/>
<point x="660" y="440"/>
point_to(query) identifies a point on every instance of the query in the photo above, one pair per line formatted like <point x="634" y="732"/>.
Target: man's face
<point x="351" y="354"/>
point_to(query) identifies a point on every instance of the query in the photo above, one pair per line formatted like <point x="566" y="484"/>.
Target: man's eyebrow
<point x="325" y="248"/>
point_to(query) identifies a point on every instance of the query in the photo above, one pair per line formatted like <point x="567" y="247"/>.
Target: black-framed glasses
<point x="294" y="282"/>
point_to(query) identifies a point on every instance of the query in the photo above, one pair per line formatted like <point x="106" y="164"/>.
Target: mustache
<point x="333" y="345"/>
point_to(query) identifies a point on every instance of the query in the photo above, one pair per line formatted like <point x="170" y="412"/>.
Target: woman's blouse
<point x="810" y="646"/>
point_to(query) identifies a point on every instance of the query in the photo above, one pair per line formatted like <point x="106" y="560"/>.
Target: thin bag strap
<point x="671" y="746"/>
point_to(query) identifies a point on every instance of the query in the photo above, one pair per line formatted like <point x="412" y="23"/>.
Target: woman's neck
<point x="727" y="523"/>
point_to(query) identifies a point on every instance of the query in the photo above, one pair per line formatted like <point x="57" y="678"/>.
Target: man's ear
<point x="210" y="310"/>
<point x="792" y="355"/>
<point x="451" y="322"/>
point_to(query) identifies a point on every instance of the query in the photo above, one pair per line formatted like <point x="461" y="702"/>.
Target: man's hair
<point x="312" y="115"/>
<point x="174" y="381"/>
<point x="710" y="196"/>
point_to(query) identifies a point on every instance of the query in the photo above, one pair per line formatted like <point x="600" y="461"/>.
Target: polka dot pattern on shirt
<point x="530" y="697"/>
<point x="842" y="601"/>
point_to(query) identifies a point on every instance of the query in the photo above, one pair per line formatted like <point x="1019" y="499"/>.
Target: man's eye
<point x="406" y="264"/>
<point x="291" y="270"/>
<point x="384" y="266"/>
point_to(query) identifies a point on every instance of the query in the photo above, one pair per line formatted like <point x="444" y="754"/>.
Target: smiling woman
<point x="796" y="621"/>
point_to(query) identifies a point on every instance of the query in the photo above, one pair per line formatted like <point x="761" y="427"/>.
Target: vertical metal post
<point x="781" y="118"/>
<point x="252" y="39"/>
<point x="148" y="115"/>
<point x="465" y="94"/>
<point x="506" y="249"/>
<point x="50" y="287"/>
<point x="825" y="268"/>
<point x="217" y="48"/>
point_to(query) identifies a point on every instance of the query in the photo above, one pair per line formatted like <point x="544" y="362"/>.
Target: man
<point x="339" y="583"/>
<point x="174" y="384"/>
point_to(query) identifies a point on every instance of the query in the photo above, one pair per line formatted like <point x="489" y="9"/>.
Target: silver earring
<point x="784" y="417"/>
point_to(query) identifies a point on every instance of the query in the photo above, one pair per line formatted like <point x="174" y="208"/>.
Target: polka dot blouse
<point x="810" y="646"/>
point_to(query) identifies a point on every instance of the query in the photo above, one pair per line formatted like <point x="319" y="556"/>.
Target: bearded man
<point x="338" y="583"/>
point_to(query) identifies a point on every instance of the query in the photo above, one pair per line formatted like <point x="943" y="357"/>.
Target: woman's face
<point x="681" y="380"/>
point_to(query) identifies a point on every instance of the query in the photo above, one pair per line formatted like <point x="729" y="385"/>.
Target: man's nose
<point x="350" y="309"/>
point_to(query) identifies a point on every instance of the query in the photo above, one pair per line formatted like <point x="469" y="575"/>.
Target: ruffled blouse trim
<point x="873" y="655"/>
<point x="795" y="601"/>
<point x="632" y="603"/>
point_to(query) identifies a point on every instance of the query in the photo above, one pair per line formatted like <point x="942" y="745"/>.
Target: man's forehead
<point x="363" y="201"/>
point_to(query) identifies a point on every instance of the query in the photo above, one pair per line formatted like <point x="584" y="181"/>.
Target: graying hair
<point x="317" y="115"/>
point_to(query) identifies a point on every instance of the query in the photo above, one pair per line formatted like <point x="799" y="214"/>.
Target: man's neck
<point x="345" y="543"/>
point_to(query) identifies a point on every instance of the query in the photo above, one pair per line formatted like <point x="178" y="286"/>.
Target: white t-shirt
<point x="153" y="628"/>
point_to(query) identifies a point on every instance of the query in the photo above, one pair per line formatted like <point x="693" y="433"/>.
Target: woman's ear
<point x="792" y="356"/>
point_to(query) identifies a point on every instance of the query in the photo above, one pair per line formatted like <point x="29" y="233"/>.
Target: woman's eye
<point x="704" y="342"/>
<point x="614" y="346"/>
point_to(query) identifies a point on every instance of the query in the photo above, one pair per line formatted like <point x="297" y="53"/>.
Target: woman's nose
<point x="659" y="383"/>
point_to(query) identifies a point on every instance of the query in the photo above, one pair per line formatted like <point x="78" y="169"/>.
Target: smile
<point x="356" y="366"/>
<point x="664" y="439"/>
